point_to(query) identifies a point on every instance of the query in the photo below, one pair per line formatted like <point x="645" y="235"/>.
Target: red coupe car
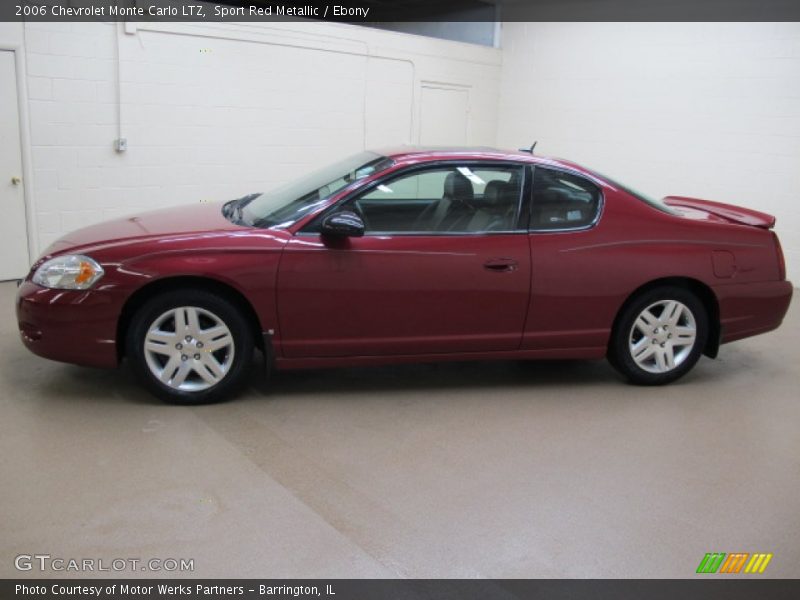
<point x="408" y="255"/>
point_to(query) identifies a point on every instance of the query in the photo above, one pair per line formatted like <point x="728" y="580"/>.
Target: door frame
<point x="18" y="51"/>
<point x="443" y="85"/>
<point x="523" y="216"/>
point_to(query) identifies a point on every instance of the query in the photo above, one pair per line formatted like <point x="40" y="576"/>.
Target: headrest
<point x="458" y="187"/>
<point x="494" y="192"/>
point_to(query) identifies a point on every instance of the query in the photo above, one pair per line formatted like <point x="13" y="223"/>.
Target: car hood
<point x="169" y="222"/>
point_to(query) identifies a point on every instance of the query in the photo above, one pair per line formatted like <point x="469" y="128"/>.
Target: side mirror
<point x="344" y="223"/>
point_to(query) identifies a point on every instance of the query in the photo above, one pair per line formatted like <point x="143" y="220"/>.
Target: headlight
<point x="68" y="272"/>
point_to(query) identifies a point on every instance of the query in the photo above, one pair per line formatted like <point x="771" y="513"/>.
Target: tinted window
<point x="562" y="200"/>
<point x="453" y="199"/>
<point x="285" y="205"/>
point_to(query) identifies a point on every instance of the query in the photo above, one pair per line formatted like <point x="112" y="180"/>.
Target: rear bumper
<point x="69" y="326"/>
<point x="752" y="308"/>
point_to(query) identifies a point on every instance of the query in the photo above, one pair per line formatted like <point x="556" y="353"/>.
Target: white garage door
<point x="13" y="227"/>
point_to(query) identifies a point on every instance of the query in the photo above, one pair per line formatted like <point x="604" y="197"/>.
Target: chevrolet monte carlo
<point x="408" y="255"/>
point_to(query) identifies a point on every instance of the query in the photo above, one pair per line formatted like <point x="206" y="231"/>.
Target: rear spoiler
<point x="735" y="214"/>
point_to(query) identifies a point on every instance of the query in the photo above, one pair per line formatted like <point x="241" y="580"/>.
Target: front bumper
<point x="71" y="326"/>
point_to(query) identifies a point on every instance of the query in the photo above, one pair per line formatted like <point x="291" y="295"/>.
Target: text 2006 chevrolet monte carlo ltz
<point x="408" y="255"/>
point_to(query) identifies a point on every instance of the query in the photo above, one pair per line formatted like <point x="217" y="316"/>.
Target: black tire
<point x="236" y="356"/>
<point x="654" y="368"/>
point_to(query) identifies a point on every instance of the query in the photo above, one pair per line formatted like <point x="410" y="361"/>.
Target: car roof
<point x="417" y="154"/>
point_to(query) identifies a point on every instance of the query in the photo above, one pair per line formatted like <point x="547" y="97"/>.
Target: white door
<point x="443" y="116"/>
<point x="13" y="225"/>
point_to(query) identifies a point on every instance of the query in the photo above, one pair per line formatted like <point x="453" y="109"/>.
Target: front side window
<point x="287" y="204"/>
<point x="451" y="199"/>
<point x="563" y="201"/>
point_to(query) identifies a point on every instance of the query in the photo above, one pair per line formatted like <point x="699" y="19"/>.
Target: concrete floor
<point x="461" y="470"/>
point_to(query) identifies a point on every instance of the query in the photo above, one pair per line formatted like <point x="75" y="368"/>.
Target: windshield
<point x="657" y="204"/>
<point x="284" y="205"/>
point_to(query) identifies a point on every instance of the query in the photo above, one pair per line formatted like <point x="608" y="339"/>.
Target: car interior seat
<point x="456" y="201"/>
<point x="496" y="210"/>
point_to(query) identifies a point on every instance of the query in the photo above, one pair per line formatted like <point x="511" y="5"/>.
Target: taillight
<point x="781" y="260"/>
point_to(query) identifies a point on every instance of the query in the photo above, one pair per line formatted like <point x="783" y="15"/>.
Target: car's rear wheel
<point x="190" y="347"/>
<point x="659" y="336"/>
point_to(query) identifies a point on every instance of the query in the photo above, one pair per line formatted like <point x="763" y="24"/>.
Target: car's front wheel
<point x="659" y="336"/>
<point x="190" y="347"/>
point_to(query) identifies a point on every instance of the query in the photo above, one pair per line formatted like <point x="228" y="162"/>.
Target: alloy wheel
<point x="662" y="336"/>
<point x="189" y="348"/>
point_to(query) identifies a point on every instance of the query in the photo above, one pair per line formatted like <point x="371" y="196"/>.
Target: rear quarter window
<point x="563" y="201"/>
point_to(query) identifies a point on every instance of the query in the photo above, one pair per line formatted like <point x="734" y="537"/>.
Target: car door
<point x="443" y="267"/>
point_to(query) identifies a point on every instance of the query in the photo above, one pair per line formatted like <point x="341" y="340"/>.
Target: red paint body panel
<point x="69" y="326"/>
<point x="582" y="278"/>
<point x="734" y="214"/>
<point x="752" y="308"/>
<point x="380" y="295"/>
<point x="137" y="252"/>
<point x="151" y="228"/>
<point x="395" y="298"/>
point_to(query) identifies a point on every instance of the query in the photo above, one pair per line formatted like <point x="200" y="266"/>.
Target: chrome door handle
<point x="501" y="265"/>
<point x="16" y="180"/>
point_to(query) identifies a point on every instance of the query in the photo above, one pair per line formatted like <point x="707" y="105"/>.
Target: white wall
<point x="215" y="111"/>
<point x="699" y="109"/>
